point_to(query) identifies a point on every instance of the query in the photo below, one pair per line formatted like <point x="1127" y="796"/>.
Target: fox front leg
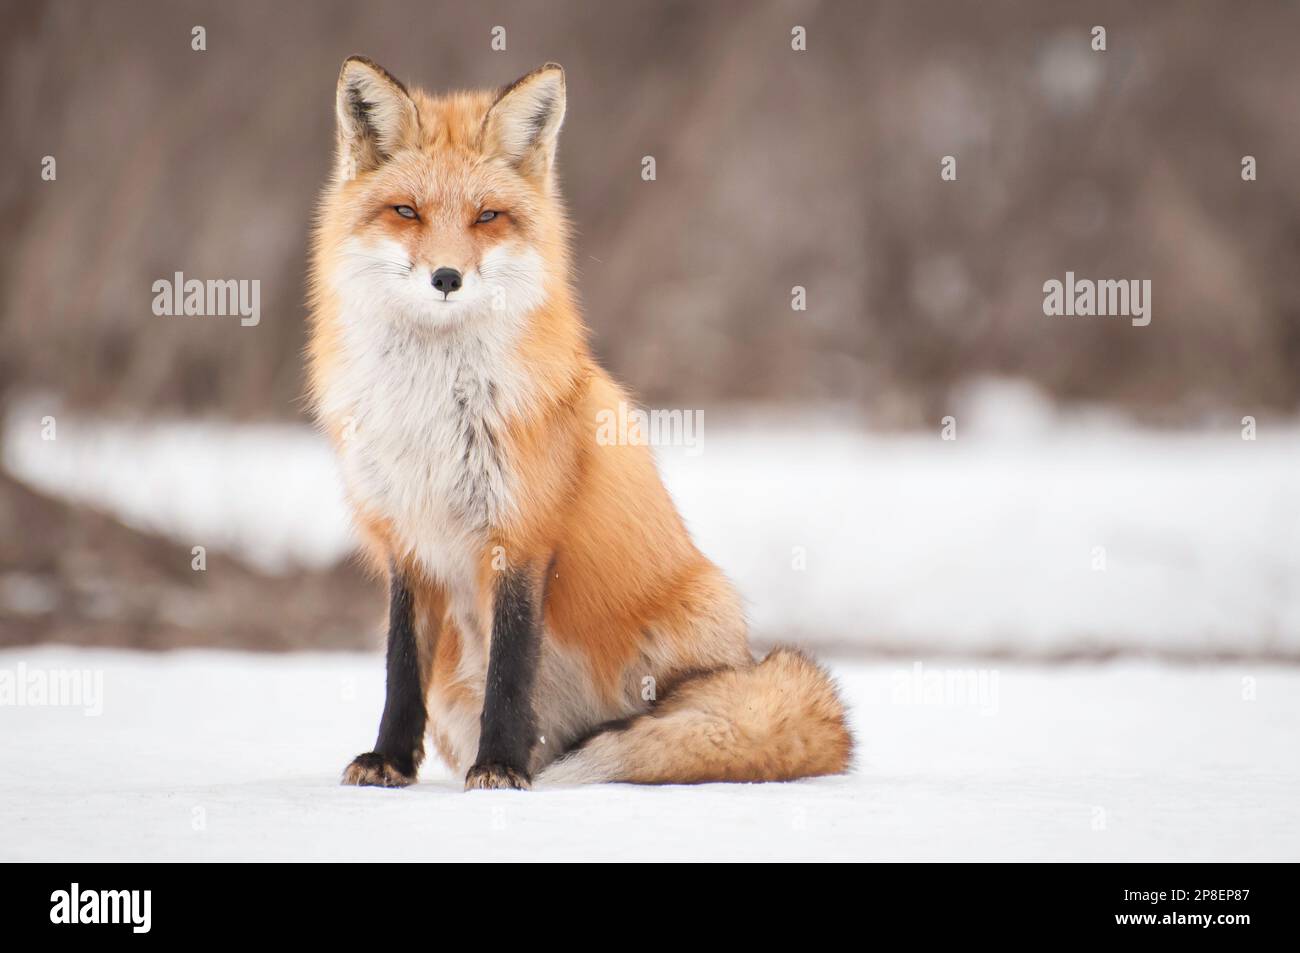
<point x="508" y="724"/>
<point x="400" y="746"/>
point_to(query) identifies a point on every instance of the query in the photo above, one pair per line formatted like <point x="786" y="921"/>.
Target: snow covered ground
<point x="222" y="756"/>
<point x="1034" y="532"/>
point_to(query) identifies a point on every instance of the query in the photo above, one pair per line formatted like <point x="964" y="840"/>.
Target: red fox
<point x="550" y="619"/>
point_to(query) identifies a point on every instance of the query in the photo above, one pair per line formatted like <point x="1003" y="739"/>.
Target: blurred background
<point x="1101" y="495"/>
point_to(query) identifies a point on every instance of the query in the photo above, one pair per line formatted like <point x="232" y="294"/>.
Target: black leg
<point x="400" y="747"/>
<point x="508" y="726"/>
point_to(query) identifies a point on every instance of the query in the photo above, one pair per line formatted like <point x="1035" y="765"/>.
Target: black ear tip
<point x="352" y="63"/>
<point x="554" y="72"/>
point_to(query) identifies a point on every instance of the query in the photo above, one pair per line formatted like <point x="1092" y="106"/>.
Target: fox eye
<point x="405" y="211"/>
<point x="486" y="216"/>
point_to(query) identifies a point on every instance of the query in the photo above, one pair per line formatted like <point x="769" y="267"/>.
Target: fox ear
<point x="376" y="116"/>
<point x="524" y="123"/>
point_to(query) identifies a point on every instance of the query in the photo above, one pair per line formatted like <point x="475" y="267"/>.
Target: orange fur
<point x="628" y="596"/>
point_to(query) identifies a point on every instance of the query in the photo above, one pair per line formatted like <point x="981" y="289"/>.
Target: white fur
<point x="597" y="762"/>
<point x="458" y="726"/>
<point x="423" y="392"/>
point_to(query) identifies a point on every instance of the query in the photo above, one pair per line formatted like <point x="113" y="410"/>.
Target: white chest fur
<point x="423" y="417"/>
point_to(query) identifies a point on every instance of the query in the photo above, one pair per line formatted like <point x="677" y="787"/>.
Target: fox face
<point x="444" y="209"/>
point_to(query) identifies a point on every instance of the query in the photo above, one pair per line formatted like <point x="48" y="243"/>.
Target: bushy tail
<point x="775" y="721"/>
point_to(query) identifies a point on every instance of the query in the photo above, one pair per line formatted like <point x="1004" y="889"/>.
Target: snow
<point x="224" y="756"/>
<point x="1035" y="532"/>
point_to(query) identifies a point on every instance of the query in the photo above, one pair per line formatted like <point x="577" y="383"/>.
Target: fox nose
<point x="446" y="280"/>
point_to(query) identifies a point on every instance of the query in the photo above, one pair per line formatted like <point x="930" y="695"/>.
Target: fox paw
<point x="490" y="777"/>
<point x="372" y="769"/>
